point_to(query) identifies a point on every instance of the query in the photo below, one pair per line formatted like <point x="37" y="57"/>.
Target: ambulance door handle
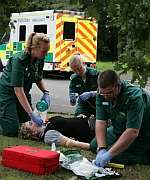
<point x="73" y="46"/>
<point x="94" y="38"/>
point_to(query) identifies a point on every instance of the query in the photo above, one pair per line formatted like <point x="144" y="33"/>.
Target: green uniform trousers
<point x="11" y="116"/>
<point x="137" y="153"/>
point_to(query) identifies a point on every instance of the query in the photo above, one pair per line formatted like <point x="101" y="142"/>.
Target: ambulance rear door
<point x="87" y="39"/>
<point x="66" y="26"/>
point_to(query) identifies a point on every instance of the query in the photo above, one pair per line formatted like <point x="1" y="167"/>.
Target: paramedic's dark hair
<point x="34" y="40"/>
<point x="108" y="78"/>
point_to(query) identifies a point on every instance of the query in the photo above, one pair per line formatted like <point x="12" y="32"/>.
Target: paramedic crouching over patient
<point x="21" y="71"/>
<point x="83" y="83"/>
<point x="128" y="139"/>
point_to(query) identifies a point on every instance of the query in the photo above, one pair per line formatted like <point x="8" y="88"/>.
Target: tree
<point x="6" y="8"/>
<point x="124" y="21"/>
<point x="132" y="19"/>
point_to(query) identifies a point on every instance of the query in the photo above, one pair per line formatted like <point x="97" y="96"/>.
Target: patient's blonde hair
<point x="27" y="133"/>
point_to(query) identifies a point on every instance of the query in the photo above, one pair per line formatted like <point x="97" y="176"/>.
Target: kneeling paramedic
<point x="22" y="70"/>
<point x="128" y="107"/>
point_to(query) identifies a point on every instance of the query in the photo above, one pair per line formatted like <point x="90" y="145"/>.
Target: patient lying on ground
<point x="60" y="129"/>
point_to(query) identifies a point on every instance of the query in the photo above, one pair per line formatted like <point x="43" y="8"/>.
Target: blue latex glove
<point x="46" y="97"/>
<point x="101" y="152"/>
<point x="72" y="98"/>
<point x="102" y="158"/>
<point x="86" y="95"/>
<point x="36" y="118"/>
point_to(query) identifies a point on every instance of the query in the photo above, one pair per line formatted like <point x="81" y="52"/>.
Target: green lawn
<point x="137" y="172"/>
<point x="129" y="173"/>
<point x="104" y="65"/>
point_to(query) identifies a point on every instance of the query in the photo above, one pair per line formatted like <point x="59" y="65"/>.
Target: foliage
<point x="133" y="23"/>
<point x="131" y="20"/>
<point x="126" y="22"/>
<point x="107" y="34"/>
<point x="6" y="8"/>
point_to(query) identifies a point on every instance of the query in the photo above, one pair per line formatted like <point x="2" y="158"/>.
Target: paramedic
<point x="22" y="69"/>
<point x="83" y="83"/>
<point x="128" y="107"/>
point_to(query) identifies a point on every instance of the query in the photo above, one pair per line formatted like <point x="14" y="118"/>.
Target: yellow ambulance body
<point x="70" y="32"/>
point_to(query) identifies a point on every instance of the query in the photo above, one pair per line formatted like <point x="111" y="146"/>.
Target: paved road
<point x="60" y="99"/>
<point x="59" y="90"/>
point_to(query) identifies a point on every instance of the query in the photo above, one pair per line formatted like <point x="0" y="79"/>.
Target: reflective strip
<point x="86" y="28"/>
<point x="85" y="42"/>
<point x="86" y="47"/>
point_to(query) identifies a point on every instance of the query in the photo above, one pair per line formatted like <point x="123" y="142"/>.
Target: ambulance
<point x="70" y="32"/>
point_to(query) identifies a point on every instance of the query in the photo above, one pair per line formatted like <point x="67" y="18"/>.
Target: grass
<point x="137" y="172"/>
<point x="101" y="66"/>
<point x="104" y="65"/>
<point x="12" y="174"/>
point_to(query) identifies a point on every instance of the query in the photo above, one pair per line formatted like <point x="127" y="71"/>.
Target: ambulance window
<point x="40" y="28"/>
<point x="22" y="33"/>
<point x="69" y="31"/>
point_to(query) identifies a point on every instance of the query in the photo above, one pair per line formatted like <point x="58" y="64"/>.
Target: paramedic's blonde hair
<point x="27" y="133"/>
<point x="76" y="60"/>
<point x="34" y="41"/>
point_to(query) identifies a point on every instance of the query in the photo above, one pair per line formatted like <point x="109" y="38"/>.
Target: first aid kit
<point x="31" y="159"/>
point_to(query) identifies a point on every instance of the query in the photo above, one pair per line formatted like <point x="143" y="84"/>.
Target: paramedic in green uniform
<point x="128" y="107"/>
<point x="21" y="71"/>
<point x="83" y="84"/>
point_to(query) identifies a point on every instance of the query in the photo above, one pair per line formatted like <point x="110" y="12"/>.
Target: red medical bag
<point x="31" y="159"/>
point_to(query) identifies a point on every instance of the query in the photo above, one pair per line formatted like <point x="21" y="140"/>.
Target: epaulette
<point x="73" y="76"/>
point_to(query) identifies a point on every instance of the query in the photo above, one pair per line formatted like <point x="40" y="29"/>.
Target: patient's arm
<point x="56" y="137"/>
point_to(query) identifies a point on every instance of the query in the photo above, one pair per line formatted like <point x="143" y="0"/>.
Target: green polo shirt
<point x="19" y="72"/>
<point x="132" y="109"/>
<point x="77" y="85"/>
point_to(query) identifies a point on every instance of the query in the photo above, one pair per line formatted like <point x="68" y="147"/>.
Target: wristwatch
<point x="100" y="148"/>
